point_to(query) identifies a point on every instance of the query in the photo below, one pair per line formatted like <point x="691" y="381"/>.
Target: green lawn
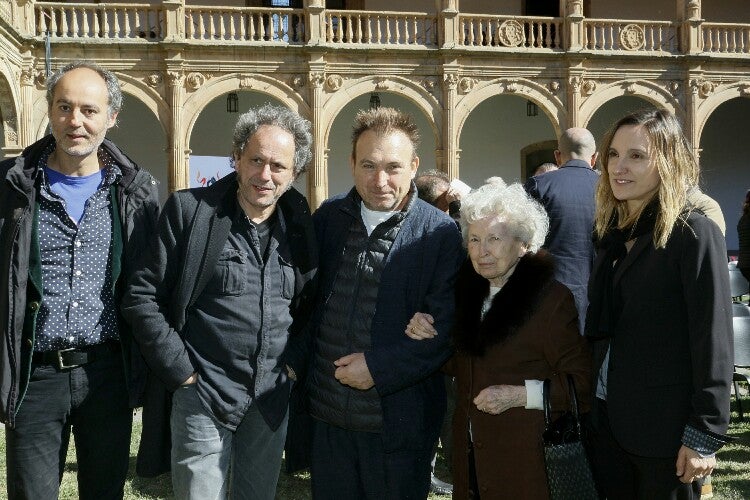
<point x="731" y="480"/>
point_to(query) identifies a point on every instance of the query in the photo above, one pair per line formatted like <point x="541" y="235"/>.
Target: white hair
<point x="524" y="217"/>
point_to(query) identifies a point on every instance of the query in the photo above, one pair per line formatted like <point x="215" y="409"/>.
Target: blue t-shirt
<point x="75" y="191"/>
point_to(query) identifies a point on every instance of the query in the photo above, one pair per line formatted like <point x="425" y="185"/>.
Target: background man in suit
<point x="74" y="213"/>
<point x="224" y="289"/>
<point x="376" y="395"/>
<point x="568" y="196"/>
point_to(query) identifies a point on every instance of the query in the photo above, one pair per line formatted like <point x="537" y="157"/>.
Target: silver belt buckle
<point x="60" y="363"/>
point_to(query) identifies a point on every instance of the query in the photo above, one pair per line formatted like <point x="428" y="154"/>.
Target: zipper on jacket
<point x="11" y="411"/>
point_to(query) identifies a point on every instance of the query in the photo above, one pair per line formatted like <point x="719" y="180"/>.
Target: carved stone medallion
<point x="510" y="33"/>
<point x="631" y="37"/>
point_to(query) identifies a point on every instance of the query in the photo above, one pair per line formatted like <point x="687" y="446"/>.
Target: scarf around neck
<point x="605" y="304"/>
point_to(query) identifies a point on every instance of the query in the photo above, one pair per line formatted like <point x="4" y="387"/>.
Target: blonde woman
<point x="659" y="317"/>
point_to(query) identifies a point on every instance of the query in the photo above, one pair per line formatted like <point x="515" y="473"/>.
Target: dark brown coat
<point x="530" y="332"/>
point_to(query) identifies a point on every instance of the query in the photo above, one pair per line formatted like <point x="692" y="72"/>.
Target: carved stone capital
<point x="575" y="83"/>
<point x="317" y="79"/>
<point x="451" y="80"/>
<point x="701" y="87"/>
<point x="175" y="78"/>
<point x="27" y="77"/>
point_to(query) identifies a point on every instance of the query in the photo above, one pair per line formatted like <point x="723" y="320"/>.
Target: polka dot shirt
<point x="78" y="307"/>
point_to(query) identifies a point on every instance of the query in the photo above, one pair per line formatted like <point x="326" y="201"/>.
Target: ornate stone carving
<point x="195" y="80"/>
<point x="575" y="83"/>
<point x="554" y="86"/>
<point x="334" y="82"/>
<point x="745" y="90"/>
<point x="175" y="78"/>
<point x="510" y="33"/>
<point x="317" y="79"/>
<point x="27" y="77"/>
<point x="674" y="88"/>
<point x="630" y="88"/>
<point x="429" y="84"/>
<point x="575" y="7"/>
<point x="451" y="80"/>
<point x="154" y="79"/>
<point x="246" y="81"/>
<point x="382" y="84"/>
<point x="297" y="81"/>
<point x="631" y="37"/>
<point x="466" y="84"/>
<point x="706" y="88"/>
<point x="512" y="86"/>
<point x="588" y="87"/>
<point x="41" y="79"/>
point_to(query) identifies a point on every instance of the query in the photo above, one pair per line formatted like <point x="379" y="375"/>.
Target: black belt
<point x="75" y="356"/>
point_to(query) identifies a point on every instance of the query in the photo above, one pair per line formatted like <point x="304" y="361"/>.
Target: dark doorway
<point x="545" y="8"/>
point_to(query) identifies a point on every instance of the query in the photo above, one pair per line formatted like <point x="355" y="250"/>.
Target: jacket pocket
<point x="230" y="275"/>
<point x="287" y="278"/>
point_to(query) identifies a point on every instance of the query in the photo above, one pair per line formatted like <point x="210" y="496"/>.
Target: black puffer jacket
<point x="138" y="202"/>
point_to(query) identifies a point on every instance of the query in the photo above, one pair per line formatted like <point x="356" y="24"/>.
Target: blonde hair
<point x="525" y="217"/>
<point x="675" y="162"/>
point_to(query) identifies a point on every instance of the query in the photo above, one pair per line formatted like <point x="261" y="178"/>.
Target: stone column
<point x="318" y="178"/>
<point x="26" y="128"/>
<point x="697" y="85"/>
<point x="574" y="100"/>
<point x="450" y="141"/>
<point x="179" y="177"/>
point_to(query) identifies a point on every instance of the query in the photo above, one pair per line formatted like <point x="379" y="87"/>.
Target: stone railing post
<point x="692" y="36"/>
<point x="22" y="12"/>
<point x="174" y="20"/>
<point x="315" y="21"/>
<point x="447" y="23"/>
<point x="573" y="25"/>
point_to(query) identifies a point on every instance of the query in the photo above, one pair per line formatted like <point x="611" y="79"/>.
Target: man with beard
<point x="74" y="213"/>
<point x="222" y="293"/>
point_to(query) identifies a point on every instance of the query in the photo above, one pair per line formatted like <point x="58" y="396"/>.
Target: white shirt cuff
<point x="534" y="399"/>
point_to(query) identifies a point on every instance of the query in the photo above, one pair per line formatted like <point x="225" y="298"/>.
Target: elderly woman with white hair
<point x="515" y="326"/>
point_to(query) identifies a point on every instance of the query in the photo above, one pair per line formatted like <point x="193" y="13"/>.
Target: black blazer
<point x="671" y="351"/>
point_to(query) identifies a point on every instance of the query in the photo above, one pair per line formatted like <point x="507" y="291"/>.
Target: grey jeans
<point x="211" y="462"/>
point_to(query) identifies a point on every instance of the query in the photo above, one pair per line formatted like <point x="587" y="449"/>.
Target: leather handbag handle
<point x="573" y="403"/>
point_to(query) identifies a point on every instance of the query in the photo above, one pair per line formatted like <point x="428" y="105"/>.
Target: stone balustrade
<point x="244" y="24"/>
<point x="99" y="21"/>
<point x="380" y="28"/>
<point x="726" y="38"/>
<point x="630" y="36"/>
<point x="158" y="22"/>
<point x="511" y="31"/>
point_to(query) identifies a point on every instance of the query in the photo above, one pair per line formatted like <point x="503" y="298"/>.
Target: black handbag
<point x="568" y="472"/>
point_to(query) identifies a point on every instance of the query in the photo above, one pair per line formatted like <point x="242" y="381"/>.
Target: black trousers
<point x="622" y="475"/>
<point x="92" y="400"/>
<point x="350" y="464"/>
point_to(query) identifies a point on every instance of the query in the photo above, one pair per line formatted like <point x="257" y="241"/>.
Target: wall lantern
<point x="374" y="100"/>
<point x="232" y="102"/>
<point x="531" y="108"/>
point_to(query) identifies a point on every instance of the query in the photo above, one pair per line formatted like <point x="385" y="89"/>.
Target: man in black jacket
<point x="221" y="295"/>
<point x="74" y="212"/>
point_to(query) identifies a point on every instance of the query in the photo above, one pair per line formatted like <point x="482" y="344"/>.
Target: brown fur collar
<point x="513" y="305"/>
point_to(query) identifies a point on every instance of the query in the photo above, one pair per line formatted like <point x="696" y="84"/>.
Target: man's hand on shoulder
<point x="352" y="370"/>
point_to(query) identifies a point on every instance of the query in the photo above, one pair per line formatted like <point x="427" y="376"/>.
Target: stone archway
<point x="715" y="97"/>
<point x="9" y="115"/>
<point x="649" y="91"/>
